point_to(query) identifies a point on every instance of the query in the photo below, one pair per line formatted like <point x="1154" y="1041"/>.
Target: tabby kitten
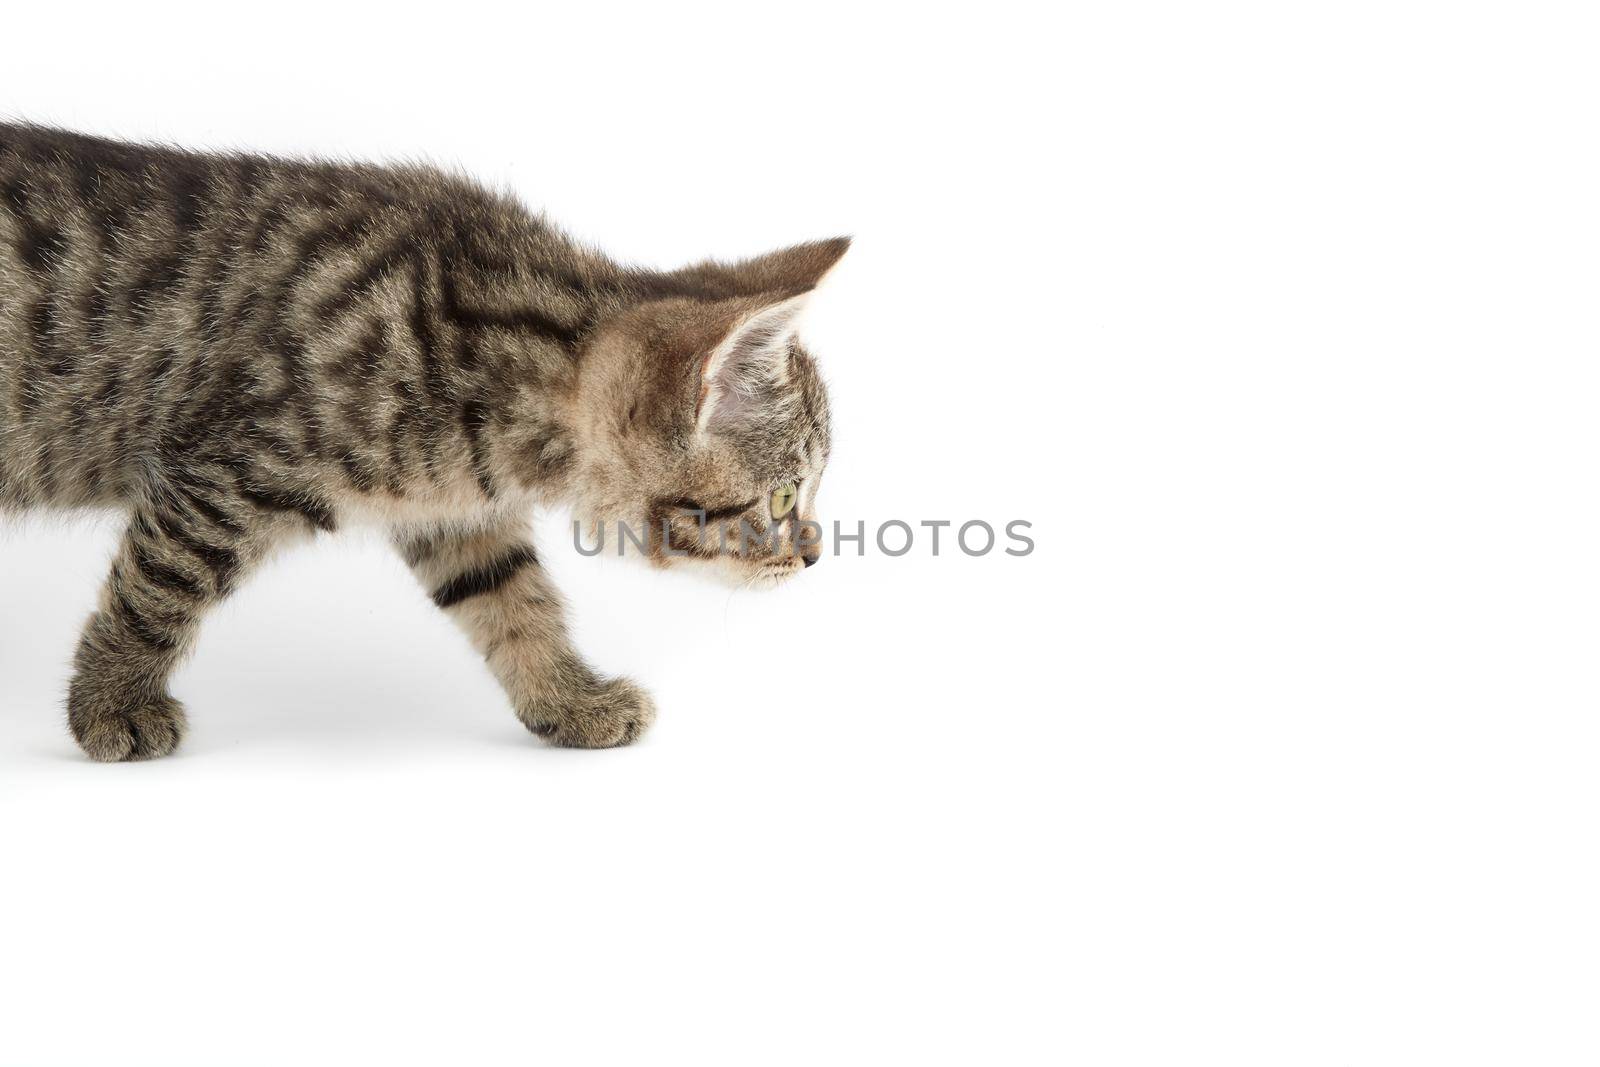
<point x="238" y="350"/>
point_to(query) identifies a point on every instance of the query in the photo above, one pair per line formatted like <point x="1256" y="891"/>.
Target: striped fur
<point x="489" y="579"/>
<point x="237" y="350"/>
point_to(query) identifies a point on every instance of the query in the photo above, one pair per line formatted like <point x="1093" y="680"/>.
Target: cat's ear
<point x="786" y="272"/>
<point x="747" y="365"/>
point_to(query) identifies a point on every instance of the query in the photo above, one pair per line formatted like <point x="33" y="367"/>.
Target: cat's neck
<point x="524" y="300"/>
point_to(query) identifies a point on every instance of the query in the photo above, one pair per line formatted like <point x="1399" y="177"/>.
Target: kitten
<point x="238" y="350"/>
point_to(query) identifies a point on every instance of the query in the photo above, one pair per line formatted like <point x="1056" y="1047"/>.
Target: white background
<point x="1277" y="321"/>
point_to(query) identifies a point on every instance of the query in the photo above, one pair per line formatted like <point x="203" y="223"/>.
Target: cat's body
<point x="238" y="350"/>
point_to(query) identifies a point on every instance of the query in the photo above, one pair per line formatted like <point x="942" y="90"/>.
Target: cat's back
<point x="140" y="220"/>
<point x="145" y="292"/>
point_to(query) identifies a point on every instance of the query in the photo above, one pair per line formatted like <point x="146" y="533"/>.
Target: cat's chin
<point x="735" y="574"/>
<point x="771" y="576"/>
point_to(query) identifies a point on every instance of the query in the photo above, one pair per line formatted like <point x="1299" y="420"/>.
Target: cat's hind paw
<point x="146" y="731"/>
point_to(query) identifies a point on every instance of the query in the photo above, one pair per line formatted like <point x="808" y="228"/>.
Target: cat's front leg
<point x="489" y="580"/>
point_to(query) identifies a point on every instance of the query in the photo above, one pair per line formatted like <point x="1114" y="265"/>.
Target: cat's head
<point x="703" y="423"/>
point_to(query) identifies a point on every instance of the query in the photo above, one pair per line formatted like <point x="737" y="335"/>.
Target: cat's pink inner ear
<point x="749" y="362"/>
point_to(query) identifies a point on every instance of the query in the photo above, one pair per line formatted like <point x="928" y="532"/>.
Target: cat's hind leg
<point x="172" y="565"/>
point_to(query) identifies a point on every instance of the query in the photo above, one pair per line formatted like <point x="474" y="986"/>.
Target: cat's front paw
<point x="610" y="715"/>
<point x="142" y="731"/>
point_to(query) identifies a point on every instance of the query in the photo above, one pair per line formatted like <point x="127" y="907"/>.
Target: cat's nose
<point x="809" y="560"/>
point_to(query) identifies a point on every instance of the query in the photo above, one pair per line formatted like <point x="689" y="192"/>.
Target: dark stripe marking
<point x="53" y="355"/>
<point x="209" y="511"/>
<point x="710" y="514"/>
<point x="167" y="577"/>
<point x="422" y="548"/>
<point x="475" y="419"/>
<point x="141" y="627"/>
<point x="485" y="579"/>
<point x="39" y="245"/>
<point x="162" y="276"/>
<point x="372" y="274"/>
<point x="222" y="561"/>
<point x="313" y="511"/>
<point x="357" y="472"/>
<point x="522" y="319"/>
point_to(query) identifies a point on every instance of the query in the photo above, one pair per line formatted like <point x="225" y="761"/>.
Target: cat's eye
<point x="783" y="500"/>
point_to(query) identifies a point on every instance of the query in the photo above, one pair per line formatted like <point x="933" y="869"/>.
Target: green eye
<point x="783" y="500"/>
